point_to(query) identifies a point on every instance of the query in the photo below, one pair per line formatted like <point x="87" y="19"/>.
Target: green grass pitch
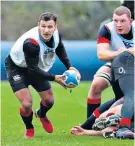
<point x="68" y="110"/>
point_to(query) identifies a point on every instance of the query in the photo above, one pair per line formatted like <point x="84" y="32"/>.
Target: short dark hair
<point x="46" y="16"/>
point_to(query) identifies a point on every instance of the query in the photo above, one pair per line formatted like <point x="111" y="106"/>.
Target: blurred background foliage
<point x="77" y="20"/>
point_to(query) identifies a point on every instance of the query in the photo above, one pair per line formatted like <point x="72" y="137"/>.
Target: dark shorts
<point x="122" y="65"/>
<point x="20" y="78"/>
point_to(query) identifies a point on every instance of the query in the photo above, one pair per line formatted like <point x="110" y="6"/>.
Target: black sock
<point x="89" y="122"/>
<point x="27" y="119"/>
<point x="92" y="104"/>
<point x="106" y="105"/>
<point x="43" y="109"/>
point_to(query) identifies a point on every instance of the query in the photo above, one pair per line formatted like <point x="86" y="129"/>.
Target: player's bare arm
<point x="77" y="130"/>
<point x="104" y="53"/>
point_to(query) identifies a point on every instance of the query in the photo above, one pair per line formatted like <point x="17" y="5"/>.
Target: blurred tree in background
<point x="77" y="20"/>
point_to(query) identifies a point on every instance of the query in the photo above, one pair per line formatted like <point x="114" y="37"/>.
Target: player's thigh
<point x="24" y="97"/>
<point x="97" y="86"/>
<point x="102" y="77"/>
<point x="114" y="110"/>
<point x="43" y="87"/>
<point x="19" y="85"/>
<point x="47" y="95"/>
<point x="18" y="79"/>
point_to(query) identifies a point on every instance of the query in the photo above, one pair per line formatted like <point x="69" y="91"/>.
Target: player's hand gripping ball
<point x="72" y="78"/>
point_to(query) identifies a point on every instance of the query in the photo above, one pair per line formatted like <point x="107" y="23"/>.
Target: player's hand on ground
<point x="73" y="68"/>
<point x="60" y="80"/>
<point x="77" y="130"/>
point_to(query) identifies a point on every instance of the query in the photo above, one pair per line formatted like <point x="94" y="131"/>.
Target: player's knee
<point x="49" y="103"/>
<point x="27" y="105"/>
<point x="48" y="100"/>
<point x="96" y="87"/>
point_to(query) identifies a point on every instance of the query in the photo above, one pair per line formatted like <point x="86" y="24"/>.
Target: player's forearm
<point x="107" y="55"/>
<point x="93" y="133"/>
<point x="62" y="54"/>
<point x="36" y="71"/>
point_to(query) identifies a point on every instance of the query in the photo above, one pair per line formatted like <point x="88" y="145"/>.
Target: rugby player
<point x="28" y="63"/>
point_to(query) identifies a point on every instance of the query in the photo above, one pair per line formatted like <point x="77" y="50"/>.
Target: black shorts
<point x="122" y="65"/>
<point x="20" y="78"/>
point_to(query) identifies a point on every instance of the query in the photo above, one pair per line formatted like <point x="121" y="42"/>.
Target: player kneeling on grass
<point x="28" y="63"/>
<point x="122" y="74"/>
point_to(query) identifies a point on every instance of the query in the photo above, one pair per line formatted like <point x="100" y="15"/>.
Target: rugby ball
<point x="72" y="78"/>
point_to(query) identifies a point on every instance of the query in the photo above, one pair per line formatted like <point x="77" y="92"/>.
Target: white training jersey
<point x="117" y="41"/>
<point x="46" y="55"/>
